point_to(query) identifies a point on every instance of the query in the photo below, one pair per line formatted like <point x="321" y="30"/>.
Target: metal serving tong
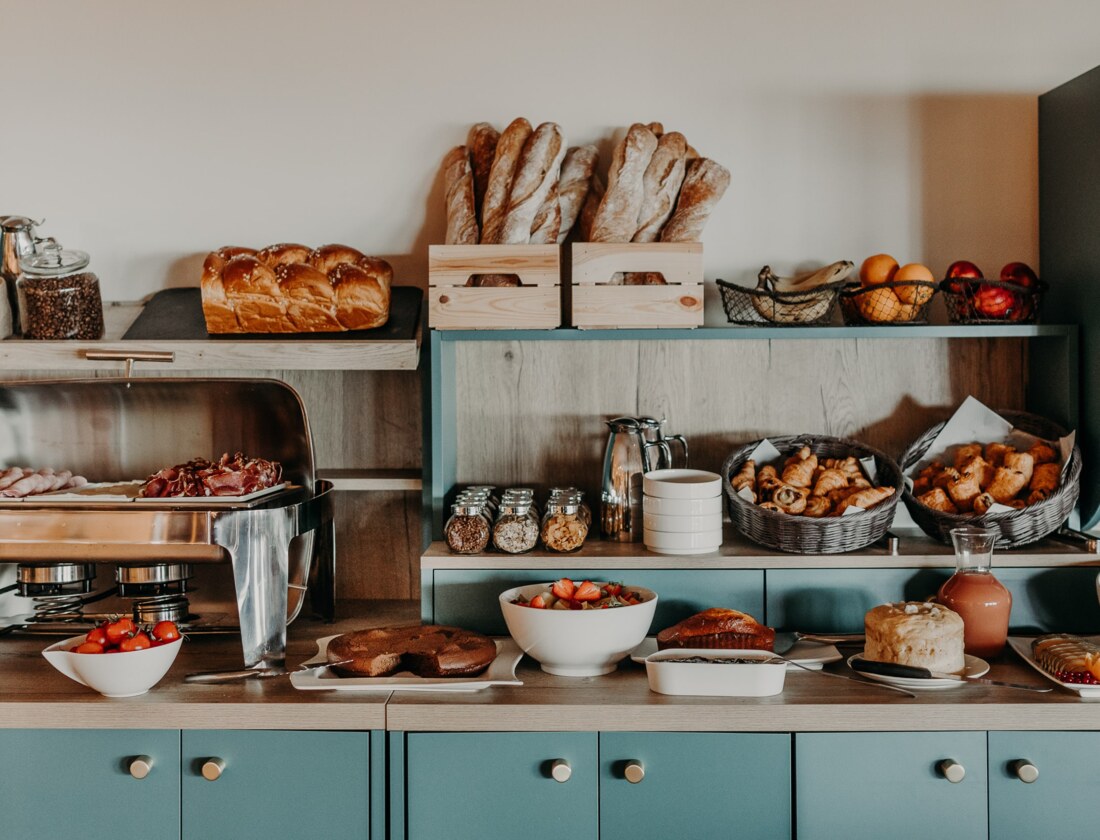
<point x="233" y="674"/>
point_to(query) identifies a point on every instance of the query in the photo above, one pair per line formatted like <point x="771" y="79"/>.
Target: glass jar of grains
<point x="562" y="527"/>
<point x="467" y="531"/>
<point x="515" y="530"/>
<point x="58" y="299"/>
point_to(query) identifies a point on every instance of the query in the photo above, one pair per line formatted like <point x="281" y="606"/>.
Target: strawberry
<point x="613" y="588"/>
<point x="587" y="591"/>
<point x="563" y="589"/>
<point x="538" y="602"/>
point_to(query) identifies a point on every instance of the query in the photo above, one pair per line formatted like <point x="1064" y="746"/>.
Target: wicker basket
<point x="803" y="534"/>
<point x="872" y="306"/>
<point x="962" y="297"/>
<point x="1015" y="528"/>
<point x="761" y="308"/>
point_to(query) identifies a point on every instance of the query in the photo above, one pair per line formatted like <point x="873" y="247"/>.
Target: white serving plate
<point x="1022" y="646"/>
<point x="812" y="655"/>
<point x="973" y="667"/>
<point x="708" y="679"/>
<point x="706" y="523"/>
<point x="681" y="507"/>
<point x="501" y="671"/>
<point x="682" y="484"/>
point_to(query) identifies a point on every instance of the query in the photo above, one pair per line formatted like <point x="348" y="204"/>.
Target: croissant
<point x="966" y="453"/>
<point x="981" y="469"/>
<point x="790" y="499"/>
<point x="995" y="453"/>
<point x="837" y="496"/>
<point x="964" y="490"/>
<point x="1044" y="481"/>
<point x="1006" y="484"/>
<point x="1042" y="453"/>
<point x="866" y="498"/>
<point x="830" y="479"/>
<point x="1021" y="462"/>
<point x="799" y="469"/>
<point x="767" y="479"/>
<point x="849" y="466"/>
<point x="948" y="475"/>
<point x="745" y="477"/>
<point x="982" y="503"/>
<point x="817" y="506"/>
<point x="937" y="499"/>
<point x="859" y="483"/>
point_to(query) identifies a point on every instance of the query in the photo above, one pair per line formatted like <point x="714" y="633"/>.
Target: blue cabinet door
<point x="79" y="783"/>
<point x="1056" y="804"/>
<point x="870" y="785"/>
<point x="277" y="785"/>
<point x="700" y="784"/>
<point x="501" y="785"/>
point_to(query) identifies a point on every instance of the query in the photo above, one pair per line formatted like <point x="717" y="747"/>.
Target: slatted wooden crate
<point x="535" y="304"/>
<point x="599" y="305"/>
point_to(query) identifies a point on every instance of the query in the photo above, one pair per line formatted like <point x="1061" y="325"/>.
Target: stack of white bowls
<point x="682" y="511"/>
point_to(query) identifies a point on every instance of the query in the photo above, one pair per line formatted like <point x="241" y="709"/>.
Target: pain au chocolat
<point x="718" y="628"/>
<point x="427" y="651"/>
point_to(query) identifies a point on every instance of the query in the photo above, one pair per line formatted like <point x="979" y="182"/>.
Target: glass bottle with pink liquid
<point x="975" y="594"/>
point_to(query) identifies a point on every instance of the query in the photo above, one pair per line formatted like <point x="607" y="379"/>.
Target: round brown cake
<point x="427" y="651"/>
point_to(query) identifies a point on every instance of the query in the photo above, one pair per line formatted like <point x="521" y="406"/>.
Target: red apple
<point x="1020" y="274"/>
<point x="995" y="302"/>
<point x="962" y="270"/>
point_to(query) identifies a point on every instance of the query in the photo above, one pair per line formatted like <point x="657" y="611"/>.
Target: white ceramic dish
<point x="113" y="674"/>
<point x="705" y="523"/>
<point x="761" y="678"/>
<point x="682" y="484"/>
<point x="812" y="655"/>
<point x="577" y="643"/>
<point x="974" y="668"/>
<point x="501" y="671"/>
<point x="1022" y="646"/>
<point x="671" y="541"/>
<point x="681" y="507"/>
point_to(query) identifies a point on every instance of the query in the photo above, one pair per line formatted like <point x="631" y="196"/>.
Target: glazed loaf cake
<point x="717" y="628"/>
<point x="924" y="635"/>
<point x="294" y="289"/>
<point x="428" y="651"/>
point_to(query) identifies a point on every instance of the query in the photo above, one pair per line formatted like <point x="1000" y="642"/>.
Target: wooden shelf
<point x="372" y="480"/>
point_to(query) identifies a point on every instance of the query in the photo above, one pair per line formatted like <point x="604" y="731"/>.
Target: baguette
<point x="617" y="217"/>
<point x="544" y="230"/>
<point x="574" y="185"/>
<point x="661" y="185"/>
<point x="482" y="145"/>
<point x="458" y="186"/>
<point x="589" y="208"/>
<point x="658" y="128"/>
<point x="538" y="170"/>
<point x="704" y="184"/>
<point x="495" y="205"/>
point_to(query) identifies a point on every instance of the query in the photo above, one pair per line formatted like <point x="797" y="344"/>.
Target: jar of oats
<point x="515" y="530"/>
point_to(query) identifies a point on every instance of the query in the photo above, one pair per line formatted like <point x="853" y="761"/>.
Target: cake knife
<point x="892" y="669"/>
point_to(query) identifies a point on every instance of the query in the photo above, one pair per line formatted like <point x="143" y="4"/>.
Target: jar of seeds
<point x="562" y="527"/>
<point x="515" y="530"/>
<point x="58" y="299"/>
<point x="467" y="531"/>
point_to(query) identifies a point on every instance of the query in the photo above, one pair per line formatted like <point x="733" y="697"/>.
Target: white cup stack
<point x="682" y="511"/>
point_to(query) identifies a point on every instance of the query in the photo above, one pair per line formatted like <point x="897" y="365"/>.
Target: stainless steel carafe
<point x="627" y="456"/>
<point x="653" y="432"/>
<point x="17" y="240"/>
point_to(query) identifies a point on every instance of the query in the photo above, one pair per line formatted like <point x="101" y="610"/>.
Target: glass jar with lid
<point x="467" y="531"/>
<point x="515" y="530"/>
<point x="562" y="527"/>
<point x="58" y="298"/>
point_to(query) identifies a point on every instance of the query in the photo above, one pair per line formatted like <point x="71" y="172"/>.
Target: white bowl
<point x="706" y="523"/>
<point x="682" y="484"/>
<point x="577" y="643"/>
<point x="671" y="542"/>
<point x="681" y="507"/>
<point x="761" y="678"/>
<point x="113" y="674"/>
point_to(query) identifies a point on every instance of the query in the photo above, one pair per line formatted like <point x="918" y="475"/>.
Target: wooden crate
<point x="597" y="305"/>
<point x="535" y="304"/>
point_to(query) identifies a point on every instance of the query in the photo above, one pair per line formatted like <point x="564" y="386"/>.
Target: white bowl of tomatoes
<point x="118" y="658"/>
<point x="578" y="628"/>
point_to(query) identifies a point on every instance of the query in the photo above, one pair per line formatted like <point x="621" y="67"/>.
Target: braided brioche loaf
<point x="291" y="289"/>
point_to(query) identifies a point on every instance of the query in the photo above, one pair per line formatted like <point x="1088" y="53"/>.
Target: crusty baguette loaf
<point x="538" y="170"/>
<point x="481" y="143"/>
<point x="658" y="128"/>
<point x="617" y="217"/>
<point x="704" y="184"/>
<point x="661" y="185"/>
<point x="310" y="298"/>
<point x="591" y="206"/>
<point x="574" y="185"/>
<point x="544" y="230"/>
<point x="501" y="175"/>
<point x="458" y="193"/>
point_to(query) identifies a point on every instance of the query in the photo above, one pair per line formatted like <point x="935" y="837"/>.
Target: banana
<point x="768" y="279"/>
<point x="805" y="307"/>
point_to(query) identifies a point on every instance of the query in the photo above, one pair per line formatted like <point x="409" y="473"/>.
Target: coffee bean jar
<point x="58" y="297"/>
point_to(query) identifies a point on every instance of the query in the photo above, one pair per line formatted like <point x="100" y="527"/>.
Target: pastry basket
<point x="803" y="534"/>
<point x="884" y="303"/>
<point x="1014" y="528"/>
<point x="762" y="308"/>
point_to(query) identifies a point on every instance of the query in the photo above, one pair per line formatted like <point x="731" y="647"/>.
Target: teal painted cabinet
<point x="276" y="785"/>
<point x="675" y="784"/>
<point x="1063" y="769"/>
<point x="485" y="785"/>
<point x="83" y="783"/>
<point x="870" y="785"/>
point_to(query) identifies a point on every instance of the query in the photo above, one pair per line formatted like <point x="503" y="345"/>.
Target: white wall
<point x="148" y="133"/>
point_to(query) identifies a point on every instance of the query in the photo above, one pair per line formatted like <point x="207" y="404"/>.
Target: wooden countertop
<point x="33" y="694"/>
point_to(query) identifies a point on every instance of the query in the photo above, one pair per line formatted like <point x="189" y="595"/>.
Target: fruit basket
<point x="980" y="301"/>
<point x="761" y="307"/>
<point x="892" y="302"/>
<point x="1014" y="528"/>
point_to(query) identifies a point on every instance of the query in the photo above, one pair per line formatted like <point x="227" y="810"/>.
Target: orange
<point x="914" y="294"/>
<point x="877" y="269"/>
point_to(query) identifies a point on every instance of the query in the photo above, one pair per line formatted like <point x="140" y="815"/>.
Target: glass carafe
<point x="975" y="594"/>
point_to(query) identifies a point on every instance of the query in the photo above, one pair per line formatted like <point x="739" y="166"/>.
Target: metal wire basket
<point x="762" y="308"/>
<point x="973" y="301"/>
<point x="893" y="302"/>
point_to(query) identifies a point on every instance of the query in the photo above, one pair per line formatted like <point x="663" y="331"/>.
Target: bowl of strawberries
<point x="578" y="628"/>
<point x="118" y="658"/>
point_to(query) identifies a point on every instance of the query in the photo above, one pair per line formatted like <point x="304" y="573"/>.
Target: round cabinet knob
<point x="1025" y="771"/>
<point x="634" y="772"/>
<point x="952" y="770"/>
<point x="212" y="769"/>
<point x="140" y="766"/>
<point x="560" y="770"/>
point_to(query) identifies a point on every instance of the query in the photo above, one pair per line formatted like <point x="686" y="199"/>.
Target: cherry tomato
<point x="98" y="635"/>
<point x="166" y="631"/>
<point x="88" y="647"/>
<point x="120" y="629"/>
<point x="139" y="641"/>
